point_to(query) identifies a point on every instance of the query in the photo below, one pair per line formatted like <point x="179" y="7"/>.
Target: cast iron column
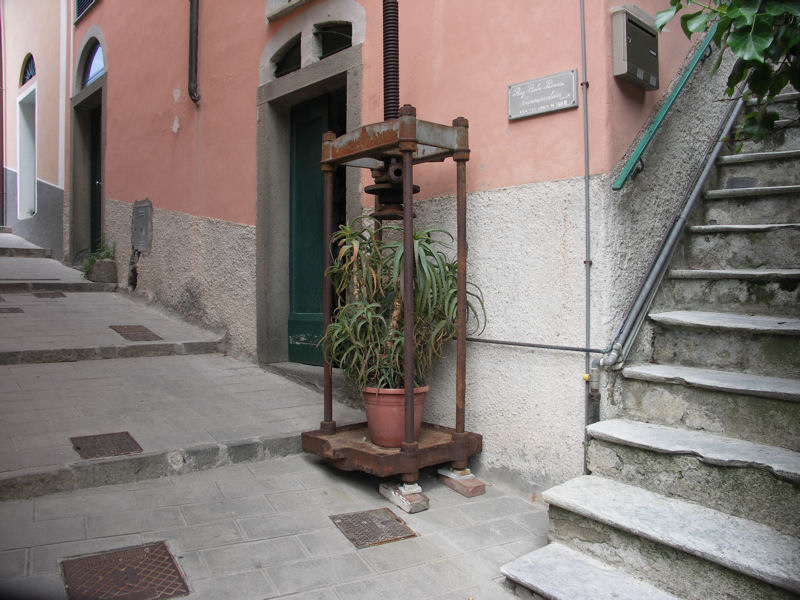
<point x="461" y="157"/>
<point x="328" y="425"/>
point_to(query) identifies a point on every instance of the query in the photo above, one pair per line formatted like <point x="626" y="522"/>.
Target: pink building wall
<point x="456" y="59"/>
<point x="198" y="160"/>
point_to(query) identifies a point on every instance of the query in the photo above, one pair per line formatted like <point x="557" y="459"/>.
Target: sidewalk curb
<point x="55" y="286"/>
<point x="25" y="252"/>
<point x="139" y="350"/>
<point x="130" y="468"/>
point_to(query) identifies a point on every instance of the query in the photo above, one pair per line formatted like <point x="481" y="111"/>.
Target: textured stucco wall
<point x="636" y="218"/>
<point x="204" y="269"/>
<point x="526" y="252"/>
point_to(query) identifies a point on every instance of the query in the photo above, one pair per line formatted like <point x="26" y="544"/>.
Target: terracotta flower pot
<point x="386" y="414"/>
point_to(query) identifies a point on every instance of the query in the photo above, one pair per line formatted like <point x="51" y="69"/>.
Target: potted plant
<point x="365" y="336"/>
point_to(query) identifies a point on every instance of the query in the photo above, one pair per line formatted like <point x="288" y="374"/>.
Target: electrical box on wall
<point x="635" y="46"/>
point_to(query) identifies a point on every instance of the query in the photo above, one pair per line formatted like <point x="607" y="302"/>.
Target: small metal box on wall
<point x="635" y="46"/>
<point x="142" y="225"/>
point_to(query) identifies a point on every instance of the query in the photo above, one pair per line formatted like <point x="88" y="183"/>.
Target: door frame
<point x="275" y="99"/>
<point x="84" y="102"/>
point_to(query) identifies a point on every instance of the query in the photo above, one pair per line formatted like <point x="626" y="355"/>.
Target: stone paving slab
<point x="297" y="552"/>
<point x="78" y="327"/>
<point x="186" y="412"/>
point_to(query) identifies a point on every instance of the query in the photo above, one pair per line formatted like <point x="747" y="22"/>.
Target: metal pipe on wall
<point x="193" y="27"/>
<point x="591" y="409"/>
<point x="2" y="133"/>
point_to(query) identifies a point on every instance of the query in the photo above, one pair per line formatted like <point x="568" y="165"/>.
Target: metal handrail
<point x="635" y="162"/>
<point x="629" y="328"/>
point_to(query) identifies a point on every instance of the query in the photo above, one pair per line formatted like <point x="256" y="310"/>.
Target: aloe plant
<point x="365" y="336"/>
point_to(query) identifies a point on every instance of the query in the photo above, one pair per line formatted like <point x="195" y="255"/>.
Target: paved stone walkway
<point x="221" y="478"/>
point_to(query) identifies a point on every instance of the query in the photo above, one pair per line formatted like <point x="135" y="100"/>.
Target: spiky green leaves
<point x="365" y="337"/>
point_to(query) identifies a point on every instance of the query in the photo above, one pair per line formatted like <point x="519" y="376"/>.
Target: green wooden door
<point x="309" y="121"/>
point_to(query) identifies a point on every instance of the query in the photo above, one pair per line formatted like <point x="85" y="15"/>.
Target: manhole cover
<point x="141" y="573"/>
<point x="49" y="294"/>
<point x="136" y="333"/>
<point x="105" y="444"/>
<point x="372" y="527"/>
<point x="10" y="309"/>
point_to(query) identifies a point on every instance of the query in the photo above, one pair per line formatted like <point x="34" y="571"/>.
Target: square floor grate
<point x="372" y="527"/>
<point x="49" y="294"/>
<point x="140" y="573"/>
<point x="136" y="333"/>
<point x="10" y="309"/>
<point x="105" y="444"/>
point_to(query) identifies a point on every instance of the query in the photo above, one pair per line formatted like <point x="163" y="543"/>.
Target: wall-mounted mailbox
<point x="635" y="46"/>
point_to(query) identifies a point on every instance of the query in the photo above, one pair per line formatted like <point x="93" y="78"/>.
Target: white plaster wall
<point x="526" y="252"/>
<point x="203" y="269"/>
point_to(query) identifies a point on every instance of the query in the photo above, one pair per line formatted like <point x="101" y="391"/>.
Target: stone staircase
<point x="695" y="484"/>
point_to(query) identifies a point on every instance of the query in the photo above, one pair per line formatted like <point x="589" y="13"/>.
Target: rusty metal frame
<point x="412" y="141"/>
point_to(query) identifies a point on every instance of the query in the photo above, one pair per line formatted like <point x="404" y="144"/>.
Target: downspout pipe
<point x="193" y="27"/>
<point x="2" y="133"/>
<point x="590" y="399"/>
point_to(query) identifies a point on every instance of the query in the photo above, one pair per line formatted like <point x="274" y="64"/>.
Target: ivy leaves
<point x="763" y="34"/>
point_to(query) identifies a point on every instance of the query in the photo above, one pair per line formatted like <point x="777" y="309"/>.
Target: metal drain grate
<point x="136" y="333"/>
<point x="372" y="527"/>
<point x="140" y="573"/>
<point x="49" y="294"/>
<point x="11" y="309"/>
<point x="105" y="445"/>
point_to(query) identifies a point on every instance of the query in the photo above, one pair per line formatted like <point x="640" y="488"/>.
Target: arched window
<point x="333" y="37"/>
<point x="28" y="70"/>
<point x="290" y="58"/>
<point x="95" y="65"/>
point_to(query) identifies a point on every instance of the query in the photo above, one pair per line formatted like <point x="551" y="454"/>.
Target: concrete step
<point x="753" y="246"/>
<point x="557" y="572"/>
<point x="763" y="410"/>
<point x="686" y="549"/>
<point x="762" y="291"/>
<point x="725" y="381"/>
<point x="26" y="274"/>
<point x="686" y="464"/>
<point x="752" y="205"/>
<point x="77" y="326"/>
<point x="14" y="246"/>
<point x="758" y="344"/>
<point x="187" y="413"/>
<point x="82" y="474"/>
<point x="757" y="169"/>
